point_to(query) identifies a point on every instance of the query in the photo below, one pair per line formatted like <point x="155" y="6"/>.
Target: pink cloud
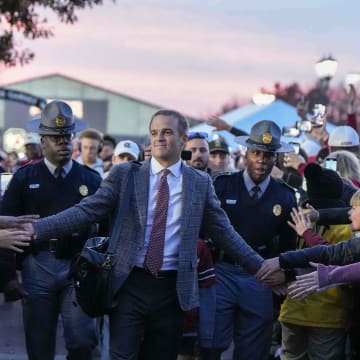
<point x="173" y="58"/>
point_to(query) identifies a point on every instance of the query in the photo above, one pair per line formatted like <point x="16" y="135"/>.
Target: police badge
<point x="277" y="210"/>
<point x="83" y="190"/>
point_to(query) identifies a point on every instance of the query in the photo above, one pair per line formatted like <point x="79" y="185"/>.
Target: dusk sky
<point x="194" y="55"/>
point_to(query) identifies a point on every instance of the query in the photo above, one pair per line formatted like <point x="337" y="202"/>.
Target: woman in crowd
<point x="321" y="318"/>
<point x="344" y="253"/>
<point x="347" y="165"/>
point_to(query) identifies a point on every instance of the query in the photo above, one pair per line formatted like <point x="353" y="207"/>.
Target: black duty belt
<point x="162" y="274"/>
<point x="47" y="245"/>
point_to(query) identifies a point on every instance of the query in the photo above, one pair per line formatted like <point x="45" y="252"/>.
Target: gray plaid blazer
<point x="201" y="209"/>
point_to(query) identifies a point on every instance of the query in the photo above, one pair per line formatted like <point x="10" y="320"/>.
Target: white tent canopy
<point x="246" y="116"/>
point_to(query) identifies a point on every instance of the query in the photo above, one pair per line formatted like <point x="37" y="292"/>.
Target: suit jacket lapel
<point x="141" y="191"/>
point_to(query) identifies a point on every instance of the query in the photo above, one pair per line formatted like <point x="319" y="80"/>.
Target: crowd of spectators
<point x="273" y="197"/>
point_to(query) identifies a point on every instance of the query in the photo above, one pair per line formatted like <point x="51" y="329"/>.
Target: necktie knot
<point x="59" y="173"/>
<point x="255" y="192"/>
<point x="165" y="172"/>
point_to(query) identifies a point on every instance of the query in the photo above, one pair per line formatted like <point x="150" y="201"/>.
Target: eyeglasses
<point x="198" y="135"/>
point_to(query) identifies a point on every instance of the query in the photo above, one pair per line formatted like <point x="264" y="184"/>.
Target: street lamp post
<point x="325" y="70"/>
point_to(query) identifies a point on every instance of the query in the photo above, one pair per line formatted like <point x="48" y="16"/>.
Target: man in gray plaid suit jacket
<point x="149" y="311"/>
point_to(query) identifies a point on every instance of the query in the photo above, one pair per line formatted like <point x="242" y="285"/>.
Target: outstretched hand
<point x="274" y="279"/>
<point x="300" y="222"/>
<point x="311" y="213"/>
<point x="17" y="221"/>
<point x="305" y="284"/>
<point x="268" y="267"/>
<point x="14" y="239"/>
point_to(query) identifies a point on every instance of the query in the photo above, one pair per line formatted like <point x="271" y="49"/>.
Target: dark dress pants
<point x="147" y="317"/>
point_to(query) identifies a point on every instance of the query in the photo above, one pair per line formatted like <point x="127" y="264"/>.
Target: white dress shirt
<point x="172" y="232"/>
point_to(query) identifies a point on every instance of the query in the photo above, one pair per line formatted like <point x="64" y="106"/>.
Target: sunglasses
<point x="198" y="135"/>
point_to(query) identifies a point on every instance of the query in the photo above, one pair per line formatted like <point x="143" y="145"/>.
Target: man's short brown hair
<point x="183" y="125"/>
<point x="91" y="133"/>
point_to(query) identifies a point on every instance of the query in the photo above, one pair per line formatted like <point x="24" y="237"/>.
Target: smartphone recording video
<point x="290" y="132"/>
<point x="331" y="164"/>
<point x="305" y="126"/>
<point x="296" y="146"/>
<point x="319" y="114"/>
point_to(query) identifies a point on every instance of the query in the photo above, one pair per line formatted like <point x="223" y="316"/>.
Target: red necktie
<point x="155" y="252"/>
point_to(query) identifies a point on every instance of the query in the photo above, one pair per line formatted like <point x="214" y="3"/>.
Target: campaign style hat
<point x="127" y="147"/>
<point x="265" y="136"/>
<point x="219" y="145"/>
<point x="56" y="119"/>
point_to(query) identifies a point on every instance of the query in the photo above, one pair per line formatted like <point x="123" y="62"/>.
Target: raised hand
<point x="300" y="222"/>
<point x="268" y="267"/>
<point x="293" y="160"/>
<point x="218" y="123"/>
<point x="311" y="213"/>
<point x="304" y="285"/>
<point x="14" y="239"/>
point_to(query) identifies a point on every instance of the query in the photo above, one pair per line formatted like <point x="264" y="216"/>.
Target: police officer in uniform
<point x="45" y="188"/>
<point x="258" y="207"/>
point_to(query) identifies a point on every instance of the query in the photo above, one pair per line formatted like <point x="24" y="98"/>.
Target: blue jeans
<point x="244" y="313"/>
<point x="49" y="294"/>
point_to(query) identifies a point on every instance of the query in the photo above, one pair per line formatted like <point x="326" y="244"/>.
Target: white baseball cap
<point x="31" y="138"/>
<point x="343" y="136"/>
<point x="310" y="147"/>
<point x="127" y="147"/>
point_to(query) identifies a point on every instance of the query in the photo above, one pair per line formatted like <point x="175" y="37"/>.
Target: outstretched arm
<point x="302" y="225"/>
<point x="304" y="285"/>
<point x="220" y="124"/>
<point x="324" y="277"/>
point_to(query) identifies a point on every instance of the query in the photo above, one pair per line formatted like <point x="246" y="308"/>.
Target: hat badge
<point x="266" y="138"/>
<point x="127" y="145"/>
<point x="60" y="121"/>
